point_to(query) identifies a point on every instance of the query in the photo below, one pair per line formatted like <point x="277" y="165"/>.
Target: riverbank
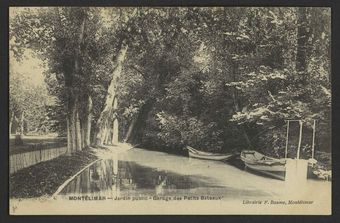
<point x="44" y="178"/>
<point x="165" y="179"/>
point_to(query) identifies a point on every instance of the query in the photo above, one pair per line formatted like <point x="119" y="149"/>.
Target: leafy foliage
<point x="31" y="100"/>
<point x="220" y="79"/>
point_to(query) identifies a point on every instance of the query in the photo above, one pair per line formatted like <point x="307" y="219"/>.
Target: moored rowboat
<point x="264" y="164"/>
<point x="207" y="155"/>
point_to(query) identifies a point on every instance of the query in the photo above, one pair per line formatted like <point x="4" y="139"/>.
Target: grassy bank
<point x="44" y="178"/>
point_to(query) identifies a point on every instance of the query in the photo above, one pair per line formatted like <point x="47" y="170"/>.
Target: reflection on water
<point x="139" y="172"/>
<point x="116" y="176"/>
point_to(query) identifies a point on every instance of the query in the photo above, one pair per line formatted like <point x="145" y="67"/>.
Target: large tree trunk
<point x="102" y="122"/>
<point x="110" y="96"/>
<point x="137" y="126"/>
<point x="115" y="132"/>
<point x="106" y="135"/>
<point x="69" y="135"/>
<point x="114" y="138"/>
<point x="302" y="43"/>
<point x="82" y="131"/>
<point x="78" y="130"/>
<point x="87" y="123"/>
<point x="72" y="142"/>
<point x="73" y="127"/>
<point x="70" y="132"/>
<point x="77" y="73"/>
<point x="73" y="123"/>
<point x="130" y="129"/>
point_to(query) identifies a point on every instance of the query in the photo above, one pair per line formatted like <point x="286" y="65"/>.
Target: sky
<point x="30" y="66"/>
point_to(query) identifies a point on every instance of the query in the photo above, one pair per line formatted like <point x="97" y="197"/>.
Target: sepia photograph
<point x="170" y="110"/>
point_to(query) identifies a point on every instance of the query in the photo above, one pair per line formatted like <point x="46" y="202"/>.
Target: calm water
<point x="139" y="172"/>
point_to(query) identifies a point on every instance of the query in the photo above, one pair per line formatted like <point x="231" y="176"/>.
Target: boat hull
<point x="277" y="172"/>
<point x="208" y="156"/>
<point x="257" y="162"/>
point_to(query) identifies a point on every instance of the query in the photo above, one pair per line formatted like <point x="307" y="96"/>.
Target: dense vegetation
<point x="29" y="106"/>
<point x="220" y="79"/>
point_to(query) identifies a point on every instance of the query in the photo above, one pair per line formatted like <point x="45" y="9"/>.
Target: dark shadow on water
<point x="123" y="176"/>
<point x="234" y="161"/>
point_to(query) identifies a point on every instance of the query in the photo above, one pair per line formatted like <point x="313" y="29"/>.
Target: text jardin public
<point x="141" y="198"/>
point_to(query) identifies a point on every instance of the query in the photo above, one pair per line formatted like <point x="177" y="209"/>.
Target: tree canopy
<point x="221" y="79"/>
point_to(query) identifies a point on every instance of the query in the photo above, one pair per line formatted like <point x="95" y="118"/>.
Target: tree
<point x="28" y="104"/>
<point x="216" y="78"/>
<point x="65" y="39"/>
<point x="284" y="90"/>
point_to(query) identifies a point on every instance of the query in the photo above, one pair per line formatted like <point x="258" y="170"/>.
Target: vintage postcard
<point x="170" y="110"/>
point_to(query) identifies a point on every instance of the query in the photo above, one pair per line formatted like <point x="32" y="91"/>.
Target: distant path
<point x="33" y="143"/>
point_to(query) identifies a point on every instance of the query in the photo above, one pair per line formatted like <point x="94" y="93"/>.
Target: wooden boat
<point x="264" y="164"/>
<point x="277" y="167"/>
<point x="207" y="155"/>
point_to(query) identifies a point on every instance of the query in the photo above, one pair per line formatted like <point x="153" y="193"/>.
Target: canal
<point x="143" y="173"/>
